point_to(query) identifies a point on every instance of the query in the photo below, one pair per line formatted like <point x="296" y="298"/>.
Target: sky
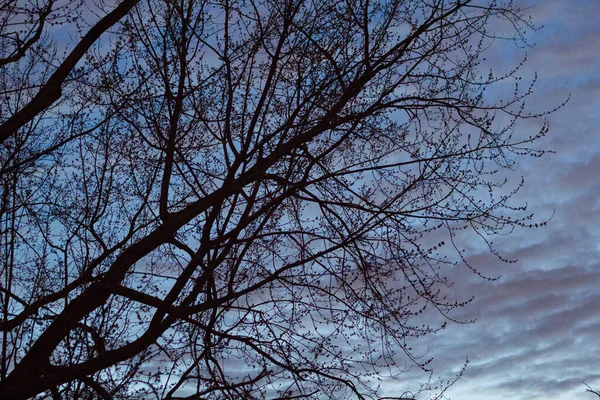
<point x="537" y="329"/>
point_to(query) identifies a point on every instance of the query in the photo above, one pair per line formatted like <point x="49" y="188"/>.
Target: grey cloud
<point x="538" y="326"/>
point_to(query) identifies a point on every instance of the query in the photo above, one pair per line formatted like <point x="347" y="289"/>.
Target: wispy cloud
<point x="537" y="329"/>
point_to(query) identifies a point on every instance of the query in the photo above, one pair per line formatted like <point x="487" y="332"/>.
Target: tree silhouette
<point x="590" y="390"/>
<point x="243" y="199"/>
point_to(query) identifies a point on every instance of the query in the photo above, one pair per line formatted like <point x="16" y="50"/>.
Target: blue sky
<point x="537" y="334"/>
<point x="537" y="329"/>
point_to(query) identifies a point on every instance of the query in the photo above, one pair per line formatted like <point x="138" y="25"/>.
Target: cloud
<point x="537" y="329"/>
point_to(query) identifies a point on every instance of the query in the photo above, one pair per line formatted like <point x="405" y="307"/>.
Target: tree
<point x="238" y="199"/>
<point x="590" y="390"/>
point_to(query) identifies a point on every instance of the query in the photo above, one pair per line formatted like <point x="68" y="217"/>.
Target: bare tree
<point x="590" y="390"/>
<point x="240" y="199"/>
